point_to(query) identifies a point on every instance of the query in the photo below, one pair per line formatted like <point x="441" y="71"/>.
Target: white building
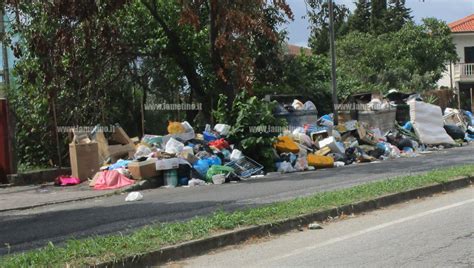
<point x="460" y="75"/>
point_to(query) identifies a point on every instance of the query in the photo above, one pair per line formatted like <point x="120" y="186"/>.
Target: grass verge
<point x="98" y="249"/>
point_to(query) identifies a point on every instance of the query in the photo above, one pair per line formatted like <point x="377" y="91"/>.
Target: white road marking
<point x="368" y="230"/>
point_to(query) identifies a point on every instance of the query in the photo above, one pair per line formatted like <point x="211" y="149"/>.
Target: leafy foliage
<point x="397" y="15"/>
<point x="411" y="59"/>
<point x="248" y="118"/>
<point x="97" y="61"/>
<point x="318" y="14"/>
<point x="360" y="19"/>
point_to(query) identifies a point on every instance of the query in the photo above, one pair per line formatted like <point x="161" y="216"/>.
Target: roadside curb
<point x="58" y="202"/>
<point x="202" y="246"/>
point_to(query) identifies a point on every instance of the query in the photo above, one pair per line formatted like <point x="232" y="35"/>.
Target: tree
<point x="378" y="21"/>
<point x="68" y="55"/>
<point x="397" y="15"/>
<point x="319" y="24"/>
<point x="412" y="59"/>
<point x="360" y="19"/>
<point x="97" y="61"/>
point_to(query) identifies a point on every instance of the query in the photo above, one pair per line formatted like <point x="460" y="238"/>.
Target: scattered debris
<point x="134" y="196"/>
<point x="314" y="226"/>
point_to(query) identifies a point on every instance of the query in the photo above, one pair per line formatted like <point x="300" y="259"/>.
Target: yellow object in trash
<point x="323" y="151"/>
<point x="320" y="161"/>
<point x="175" y="128"/>
<point x="285" y="144"/>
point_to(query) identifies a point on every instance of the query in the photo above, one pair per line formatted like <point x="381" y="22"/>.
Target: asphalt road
<point x="435" y="232"/>
<point x="26" y="229"/>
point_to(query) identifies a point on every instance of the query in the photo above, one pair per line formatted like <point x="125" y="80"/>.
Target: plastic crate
<point x="245" y="167"/>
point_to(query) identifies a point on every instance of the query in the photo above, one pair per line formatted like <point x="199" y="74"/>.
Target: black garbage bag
<point x="455" y="132"/>
<point x="377" y="152"/>
<point x="351" y="155"/>
<point x="338" y="157"/>
<point x="402" y="143"/>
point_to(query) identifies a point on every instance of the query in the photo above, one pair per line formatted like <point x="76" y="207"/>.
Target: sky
<point x="447" y="10"/>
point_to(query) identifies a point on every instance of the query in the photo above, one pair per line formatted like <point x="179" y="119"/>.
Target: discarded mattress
<point x="427" y="120"/>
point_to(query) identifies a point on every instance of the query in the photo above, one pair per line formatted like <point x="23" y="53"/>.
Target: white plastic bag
<point x="302" y="161"/>
<point x="298" y="105"/>
<point x="134" y="196"/>
<point x="309" y="106"/>
<point x="173" y="146"/>
<point x="339" y="164"/>
<point x="196" y="182"/>
<point x="285" y="167"/>
<point x="236" y="155"/>
<point x="222" y="129"/>
<point x="142" y="150"/>
<point x="218" y="179"/>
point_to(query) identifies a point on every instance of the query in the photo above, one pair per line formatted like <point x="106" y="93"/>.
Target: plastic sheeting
<point x="428" y="123"/>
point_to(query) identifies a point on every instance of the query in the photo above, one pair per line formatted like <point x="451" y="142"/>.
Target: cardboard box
<point x="143" y="170"/>
<point x="84" y="159"/>
<point x="166" y="164"/>
<point x="125" y="147"/>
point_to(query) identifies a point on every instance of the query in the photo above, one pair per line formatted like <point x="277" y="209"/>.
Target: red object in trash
<point x="219" y="144"/>
<point x="5" y="156"/>
<point x="66" y="181"/>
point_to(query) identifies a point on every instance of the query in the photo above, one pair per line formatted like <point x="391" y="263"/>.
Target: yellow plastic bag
<point x="320" y="161"/>
<point x="175" y="128"/>
<point x="285" y="144"/>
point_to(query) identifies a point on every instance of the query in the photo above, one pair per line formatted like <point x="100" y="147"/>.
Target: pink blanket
<point x="111" y="179"/>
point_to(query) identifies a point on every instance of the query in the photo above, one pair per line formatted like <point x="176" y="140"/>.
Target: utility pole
<point x="333" y="61"/>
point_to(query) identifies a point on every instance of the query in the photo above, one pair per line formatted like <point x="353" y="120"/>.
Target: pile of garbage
<point x="184" y="157"/>
<point x="180" y="158"/>
<point x="380" y="131"/>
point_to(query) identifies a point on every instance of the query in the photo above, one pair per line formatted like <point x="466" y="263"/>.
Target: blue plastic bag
<point x="201" y="166"/>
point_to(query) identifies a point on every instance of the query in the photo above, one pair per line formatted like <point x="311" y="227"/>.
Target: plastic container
<point x="208" y="136"/>
<point x="171" y="178"/>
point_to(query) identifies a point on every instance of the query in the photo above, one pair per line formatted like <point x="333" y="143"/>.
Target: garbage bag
<point x="196" y="182"/>
<point x="455" y="132"/>
<point x="285" y="167"/>
<point x="175" y="128"/>
<point x="298" y="105"/>
<point x="285" y="144"/>
<point x="302" y="161"/>
<point x="222" y="129"/>
<point x="216" y="170"/>
<point x="236" y="155"/>
<point x="134" y="196"/>
<point x="219" y="144"/>
<point x="201" y="166"/>
<point x="173" y="146"/>
<point x="142" y="151"/>
<point x="209" y="136"/>
<point x="214" y="160"/>
<point x="309" y="106"/>
<point x="377" y="152"/>
<point x="402" y="143"/>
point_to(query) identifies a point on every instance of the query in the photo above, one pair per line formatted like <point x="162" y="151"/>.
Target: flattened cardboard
<point x="84" y="159"/>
